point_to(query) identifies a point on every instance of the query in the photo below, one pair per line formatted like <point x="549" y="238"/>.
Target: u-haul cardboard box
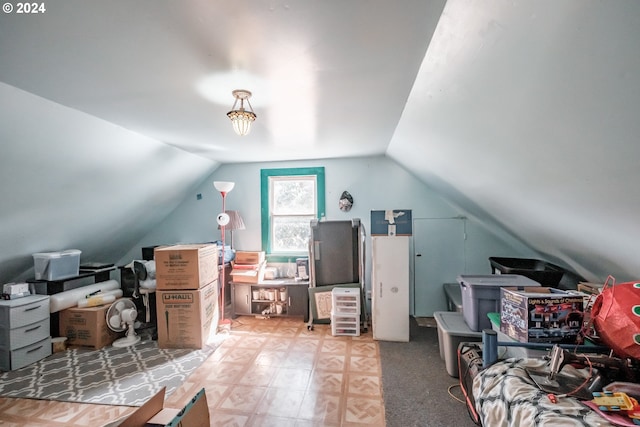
<point x="187" y="318"/>
<point x="186" y="266"/>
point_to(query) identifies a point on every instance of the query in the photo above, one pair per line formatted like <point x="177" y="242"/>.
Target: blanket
<point x="506" y="396"/>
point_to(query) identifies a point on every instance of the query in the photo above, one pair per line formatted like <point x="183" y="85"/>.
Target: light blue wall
<point x="376" y="183"/>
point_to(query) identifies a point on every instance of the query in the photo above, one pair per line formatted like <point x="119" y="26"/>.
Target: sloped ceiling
<point x="523" y="113"/>
<point x="526" y="113"/>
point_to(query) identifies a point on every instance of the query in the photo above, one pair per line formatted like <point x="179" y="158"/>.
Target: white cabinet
<point x="390" y="288"/>
<point x="24" y="331"/>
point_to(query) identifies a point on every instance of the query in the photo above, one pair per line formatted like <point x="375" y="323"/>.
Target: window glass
<point x="291" y="199"/>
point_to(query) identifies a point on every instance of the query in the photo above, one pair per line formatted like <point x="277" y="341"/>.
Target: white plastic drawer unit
<point x="23" y="311"/>
<point x="346" y="300"/>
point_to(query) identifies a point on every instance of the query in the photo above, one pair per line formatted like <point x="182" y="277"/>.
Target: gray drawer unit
<point x="15" y="359"/>
<point x="23" y="311"/>
<point x="24" y="331"/>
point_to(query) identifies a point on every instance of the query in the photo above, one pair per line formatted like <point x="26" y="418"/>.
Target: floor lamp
<point x="223" y="187"/>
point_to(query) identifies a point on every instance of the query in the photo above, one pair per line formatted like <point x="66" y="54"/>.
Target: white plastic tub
<point x="452" y="330"/>
<point x="56" y="265"/>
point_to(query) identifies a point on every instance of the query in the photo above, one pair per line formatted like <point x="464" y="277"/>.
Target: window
<point x="291" y="198"/>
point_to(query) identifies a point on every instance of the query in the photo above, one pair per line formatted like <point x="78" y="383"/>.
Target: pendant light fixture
<point x="241" y="118"/>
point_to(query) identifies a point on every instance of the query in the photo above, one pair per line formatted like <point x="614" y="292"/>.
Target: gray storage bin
<point x="481" y="295"/>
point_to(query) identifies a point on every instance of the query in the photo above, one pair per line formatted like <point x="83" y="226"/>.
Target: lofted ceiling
<point x="329" y="78"/>
<point x="523" y="113"/>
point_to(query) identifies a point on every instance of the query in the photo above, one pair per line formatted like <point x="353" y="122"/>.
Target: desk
<point x="279" y="297"/>
<point x="52" y="287"/>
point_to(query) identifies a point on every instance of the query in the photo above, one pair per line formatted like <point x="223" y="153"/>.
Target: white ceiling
<point x="523" y="113"/>
<point x="329" y="78"/>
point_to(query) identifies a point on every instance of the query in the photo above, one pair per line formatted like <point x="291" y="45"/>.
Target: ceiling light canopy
<point x="241" y="118"/>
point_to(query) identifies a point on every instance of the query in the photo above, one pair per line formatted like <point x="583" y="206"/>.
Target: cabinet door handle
<point x="289" y="302"/>
<point x="247" y="297"/>
<point x="380" y="289"/>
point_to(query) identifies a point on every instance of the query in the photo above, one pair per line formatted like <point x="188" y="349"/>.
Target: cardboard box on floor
<point x="153" y="413"/>
<point x="187" y="318"/>
<point x="186" y="266"/>
<point x="87" y="326"/>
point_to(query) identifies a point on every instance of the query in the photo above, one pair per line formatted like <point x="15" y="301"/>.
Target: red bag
<point x="616" y="317"/>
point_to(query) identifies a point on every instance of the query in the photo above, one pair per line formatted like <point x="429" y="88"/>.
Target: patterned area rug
<point x="111" y="376"/>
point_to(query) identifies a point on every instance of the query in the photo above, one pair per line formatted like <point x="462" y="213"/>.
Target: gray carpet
<point x="112" y="376"/>
<point x="415" y="383"/>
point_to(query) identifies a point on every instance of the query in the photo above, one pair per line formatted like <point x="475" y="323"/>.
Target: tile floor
<point x="266" y="372"/>
<point x="275" y="372"/>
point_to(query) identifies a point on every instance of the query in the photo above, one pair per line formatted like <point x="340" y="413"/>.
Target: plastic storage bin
<point x="543" y="272"/>
<point x="345" y="300"/>
<point x="345" y="324"/>
<point x="452" y="330"/>
<point x="454" y="296"/>
<point x="56" y="265"/>
<point x="481" y="295"/>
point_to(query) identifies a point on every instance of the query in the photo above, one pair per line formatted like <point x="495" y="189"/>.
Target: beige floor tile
<point x="298" y="359"/>
<point x="257" y="375"/>
<point x="280" y="402"/>
<point x="321" y="407"/>
<point x="264" y="373"/>
<point x="364" y="364"/>
<point x="292" y="378"/>
<point x="330" y="362"/>
<point x="368" y="385"/>
<point x="243" y="398"/>
<point x="326" y="381"/>
<point x="364" y="410"/>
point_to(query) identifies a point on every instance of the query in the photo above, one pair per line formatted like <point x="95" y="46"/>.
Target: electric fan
<point x="120" y="317"/>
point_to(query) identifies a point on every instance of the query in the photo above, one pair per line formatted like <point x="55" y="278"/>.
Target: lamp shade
<point x="235" y="221"/>
<point x="224" y="186"/>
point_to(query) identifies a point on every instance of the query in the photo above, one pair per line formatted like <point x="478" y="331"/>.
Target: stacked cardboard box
<point x="186" y="295"/>
<point x="248" y="267"/>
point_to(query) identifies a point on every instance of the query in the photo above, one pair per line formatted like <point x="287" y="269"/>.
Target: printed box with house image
<point x="541" y="314"/>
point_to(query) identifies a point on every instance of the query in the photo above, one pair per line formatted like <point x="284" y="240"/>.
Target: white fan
<point x="120" y="317"/>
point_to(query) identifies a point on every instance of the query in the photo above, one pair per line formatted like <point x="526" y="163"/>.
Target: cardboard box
<point x="154" y="413"/>
<point x="540" y="314"/>
<point x="249" y="257"/>
<point x="590" y="288"/>
<point x="187" y="318"/>
<point x="87" y="326"/>
<point x="248" y="273"/>
<point x="186" y="266"/>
